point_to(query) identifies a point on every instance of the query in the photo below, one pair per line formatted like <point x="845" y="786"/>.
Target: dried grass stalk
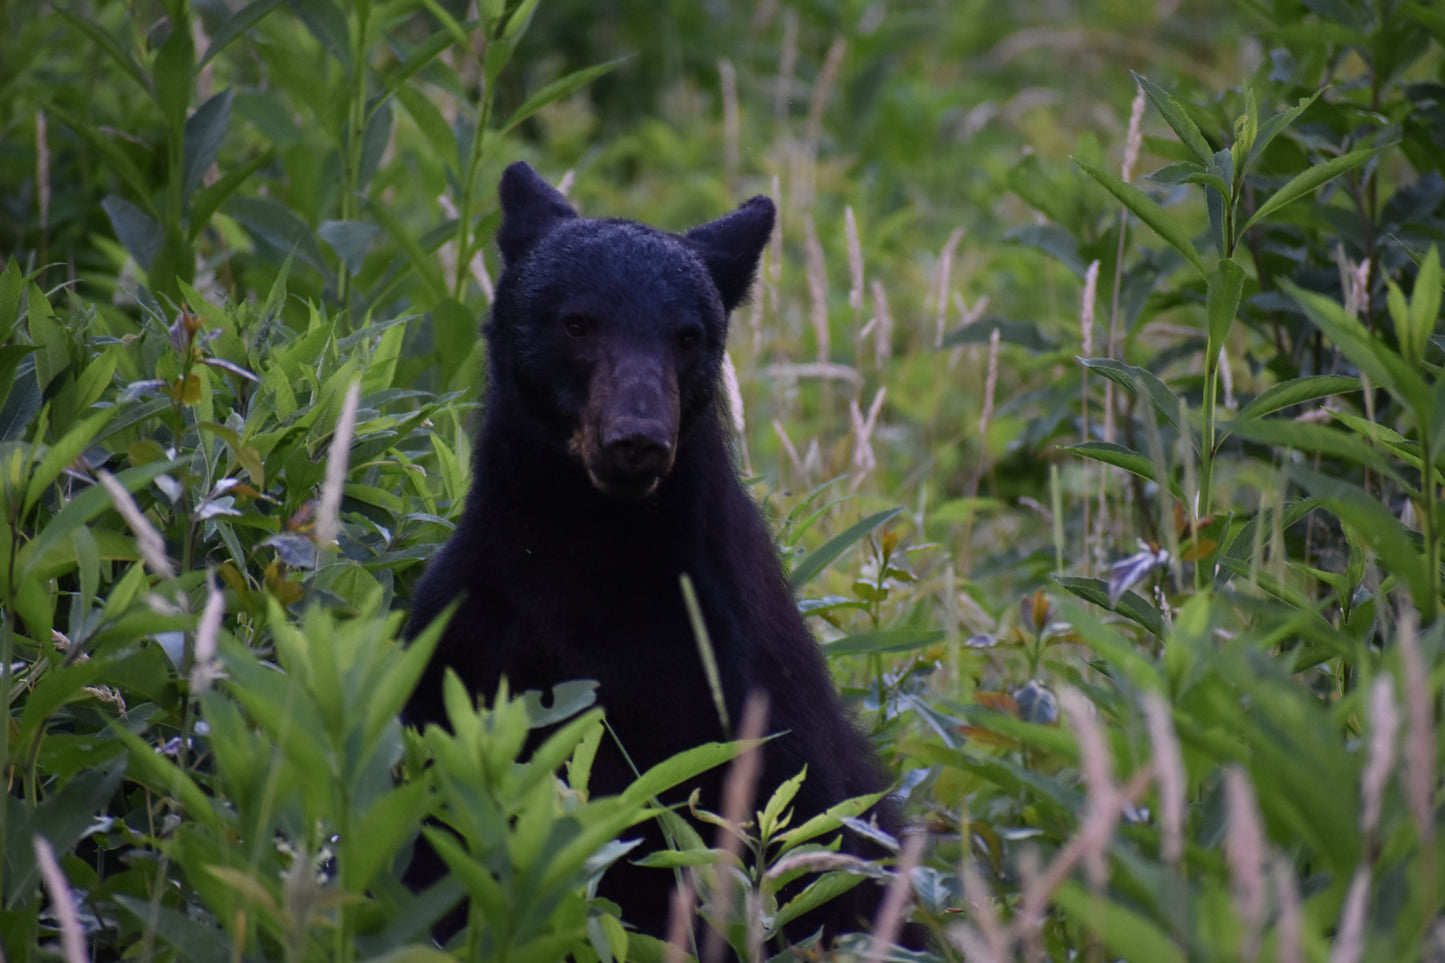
<point x="62" y="901"/>
<point x="149" y="541"/>
<point x="1244" y="851"/>
<point x="328" y="508"/>
<point x="941" y="290"/>
<point x="1169" y="774"/>
<point x="889" y="922"/>
<point x="817" y="290"/>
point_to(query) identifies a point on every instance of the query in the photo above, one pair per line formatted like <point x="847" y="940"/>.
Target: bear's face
<point x="612" y="333"/>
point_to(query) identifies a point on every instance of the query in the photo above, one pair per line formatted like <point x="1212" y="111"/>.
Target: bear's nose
<point x="637" y="448"/>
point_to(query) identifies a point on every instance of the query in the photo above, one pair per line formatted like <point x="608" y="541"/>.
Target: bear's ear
<point x="731" y="247"/>
<point x="530" y="209"/>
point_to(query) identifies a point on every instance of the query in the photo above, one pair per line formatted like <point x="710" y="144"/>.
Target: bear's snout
<point x="629" y="434"/>
<point x="636" y="447"/>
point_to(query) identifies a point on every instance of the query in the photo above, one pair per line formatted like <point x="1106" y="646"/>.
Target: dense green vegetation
<point x="1093" y="380"/>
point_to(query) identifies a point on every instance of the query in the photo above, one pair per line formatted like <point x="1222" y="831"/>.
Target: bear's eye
<point x="689" y="339"/>
<point x="576" y="325"/>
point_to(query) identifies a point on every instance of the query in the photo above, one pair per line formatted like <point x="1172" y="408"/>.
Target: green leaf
<point x="139" y="234"/>
<point x="889" y="641"/>
<point x="558" y="89"/>
<point x="117" y="159"/>
<point x="822" y="890"/>
<point x="349" y="239"/>
<point x="1373" y="357"/>
<point x="208" y="199"/>
<point x="192" y="939"/>
<point x="1281" y="433"/>
<point x="275" y="224"/>
<point x="84" y="507"/>
<point x="1150" y="213"/>
<point x="1125" y="933"/>
<point x="1179" y="121"/>
<point x="1125" y="458"/>
<point x="205" y="129"/>
<point x="1293" y="392"/>
<point x="238" y="24"/>
<point x="175" y="70"/>
<point x="159" y="774"/>
<point x="380" y="831"/>
<point x="61" y="454"/>
<point x="1272" y="127"/>
<point x="448" y="22"/>
<point x="1130" y="604"/>
<point x="1225" y="289"/>
<point x="1141" y="381"/>
<point x="1307" y="181"/>
<point x="108" y="44"/>
<point x="1377" y="528"/>
<point x="820" y="558"/>
<point x="1424" y="310"/>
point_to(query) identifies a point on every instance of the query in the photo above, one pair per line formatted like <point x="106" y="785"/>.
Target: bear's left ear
<point x="530" y="209"/>
<point x="731" y="247"/>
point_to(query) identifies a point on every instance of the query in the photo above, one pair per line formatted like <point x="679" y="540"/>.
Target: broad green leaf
<point x="1307" y="181"/>
<point x="61" y="454"/>
<point x="159" y="774"/>
<point x="326" y="21"/>
<point x="1272" y="127"/>
<point x="238" y="24"/>
<point x="1150" y="213"/>
<point x="828" y="821"/>
<point x="380" y="831"/>
<point x="1293" y="392"/>
<point x="63" y="818"/>
<point x="558" y="89"/>
<point x="1377" y="528"/>
<point x="1223" y="301"/>
<point x="205" y="129"/>
<point x="423" y="264"/>
<point x="1140" y="381"/>
<point x="278" y="226"/>
<point x="1179" y="121"/>
<point x="175" y="70"/>
<point x="1283" y="434"/>
<point x="1125" y="458"/>
<point x="349" y="239"/>
<point x="83" y="507"/>
<point x="1377" y="360"/>
<point x="1189" y="173"/>
<point x="206" y="201"/>
<point x="820" y="891"/>
<point x="682" y="767"/>
<point x="820" y="558"/>
<point x="1124" y="932"/>
<point x="883" y="641"/>
<point x="108" y="45"/>
<point x="1424" y="313"/>
<point x="190" y="938"/>
<point x="449" y="24"/>
<point x="12" y="283"/>
<point x="138" y="233"/>
<point x="1130" y="604"/>
<point x="117" y="159"/>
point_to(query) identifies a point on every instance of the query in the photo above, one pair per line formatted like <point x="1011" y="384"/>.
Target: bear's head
<point x="608" y="334"/>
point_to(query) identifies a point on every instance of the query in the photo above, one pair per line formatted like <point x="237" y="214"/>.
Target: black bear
<point x="602" y="474"/>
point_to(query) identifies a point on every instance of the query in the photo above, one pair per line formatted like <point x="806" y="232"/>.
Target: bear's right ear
<point x="732" y="245"/>
<point x="531" y="208"/>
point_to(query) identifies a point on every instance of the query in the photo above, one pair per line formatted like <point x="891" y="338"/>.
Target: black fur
<point x="603" y="473"/>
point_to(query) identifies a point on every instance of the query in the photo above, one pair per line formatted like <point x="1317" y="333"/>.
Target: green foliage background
<point x="1093" y="381"/>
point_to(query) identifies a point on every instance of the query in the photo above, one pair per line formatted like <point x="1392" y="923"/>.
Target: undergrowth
<point x="1118" y="512"/>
